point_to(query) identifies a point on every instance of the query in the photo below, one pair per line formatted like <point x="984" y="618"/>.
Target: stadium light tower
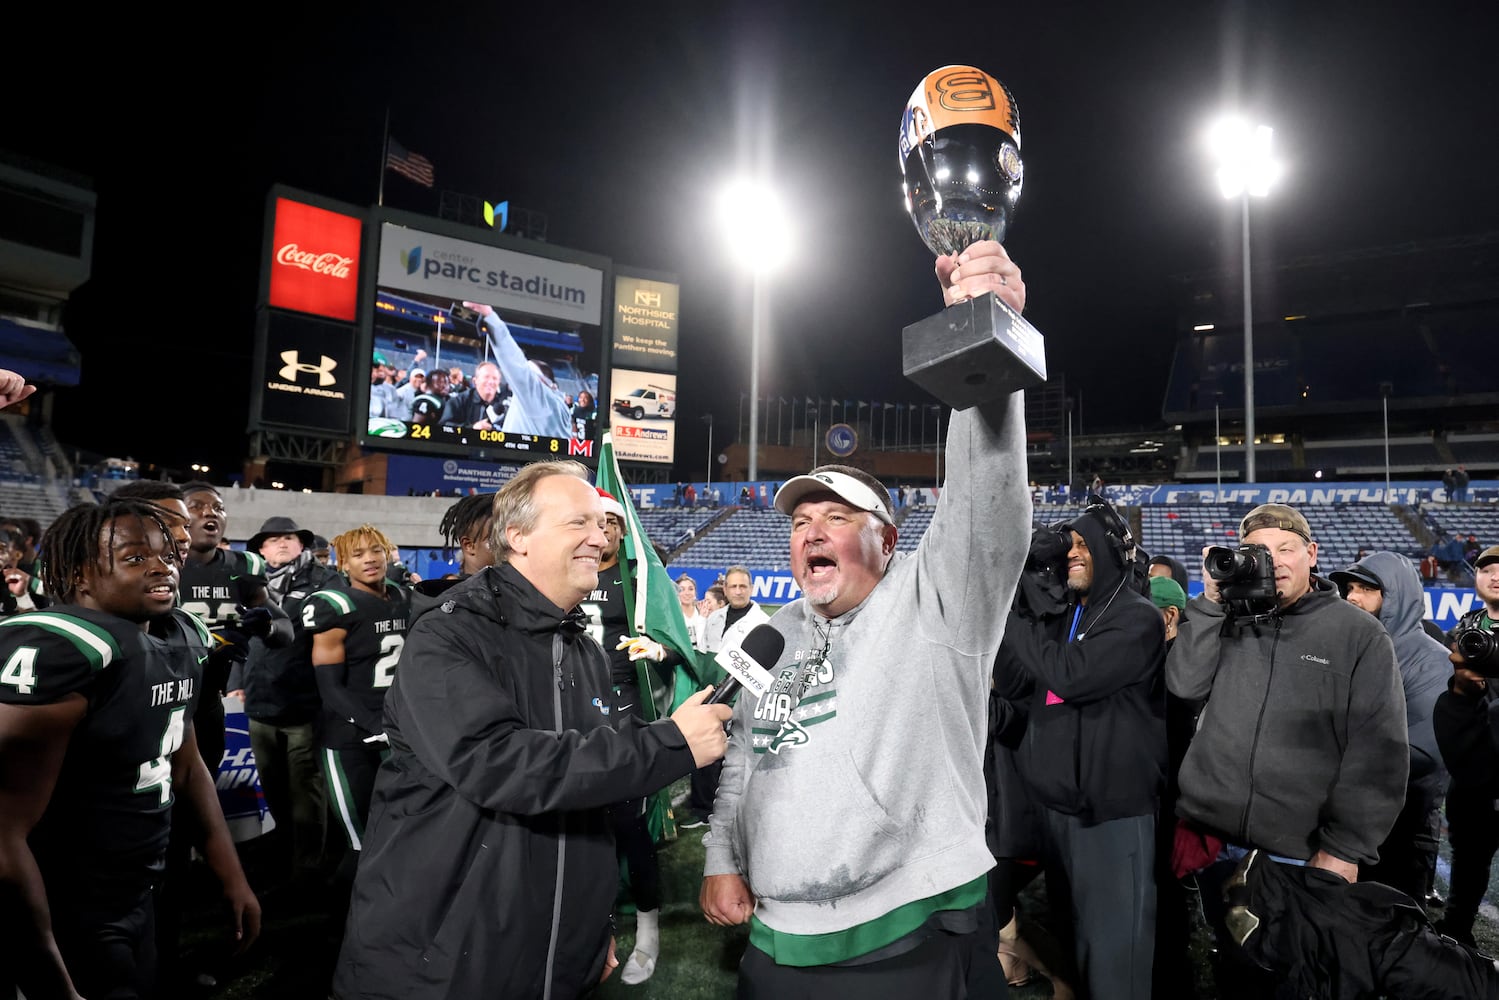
<point x="759" y="239"/>
<point x="1245" y="170"/>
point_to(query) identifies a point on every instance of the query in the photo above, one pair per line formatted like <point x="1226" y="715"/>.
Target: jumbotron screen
<point x="483" y="351"/>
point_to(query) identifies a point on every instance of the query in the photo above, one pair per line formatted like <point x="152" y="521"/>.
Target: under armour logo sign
<point x="323" y="370"/>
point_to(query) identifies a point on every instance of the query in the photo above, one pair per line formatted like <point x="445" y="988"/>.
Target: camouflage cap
<point x="1275" y="515"/>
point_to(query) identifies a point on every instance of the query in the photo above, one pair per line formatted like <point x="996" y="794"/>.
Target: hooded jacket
<point x="488" y="866"/>
<point x="1095" y="742"/>
<point x="1424" y="666"/>
<point x="1302" y="745"/>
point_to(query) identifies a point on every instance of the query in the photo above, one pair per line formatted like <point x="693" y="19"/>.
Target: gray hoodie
<point x="867" y="792"/>
<point x="1423" y="662"/>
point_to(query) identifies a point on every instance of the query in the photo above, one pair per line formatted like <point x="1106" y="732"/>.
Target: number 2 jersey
<point x="375" y="630"/>
<point x="107" y="823"/>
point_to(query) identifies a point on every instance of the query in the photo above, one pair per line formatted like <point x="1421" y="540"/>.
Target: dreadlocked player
<point x="357" y="635"/>
<point x="464" y="528"/>
<point x="95" y="738"/>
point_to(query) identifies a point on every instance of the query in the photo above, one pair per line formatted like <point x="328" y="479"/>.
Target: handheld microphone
<point x="748" y="664"/>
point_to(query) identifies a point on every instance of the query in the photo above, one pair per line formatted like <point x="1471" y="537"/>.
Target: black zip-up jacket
<point x="1095" y="740"/>
<point x="1302" y="745"/>
<point x="279" y="684"/>
<point x="488" y="867"/>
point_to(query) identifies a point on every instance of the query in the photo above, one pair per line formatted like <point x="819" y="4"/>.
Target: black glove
<point x="254" y="621"/>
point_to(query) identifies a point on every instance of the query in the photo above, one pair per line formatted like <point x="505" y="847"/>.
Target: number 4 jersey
<point x="109" y="817"/>
<point x="375" y="630"/>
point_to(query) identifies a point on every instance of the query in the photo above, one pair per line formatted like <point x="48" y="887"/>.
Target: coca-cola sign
<point x="332" y="264"/>
<point x="315" y="266"/>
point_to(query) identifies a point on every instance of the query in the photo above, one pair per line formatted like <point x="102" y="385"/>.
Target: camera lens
<point x="1476" y="645"/>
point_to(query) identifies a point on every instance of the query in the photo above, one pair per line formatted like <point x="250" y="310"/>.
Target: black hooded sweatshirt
<point x="1095" y="742"/>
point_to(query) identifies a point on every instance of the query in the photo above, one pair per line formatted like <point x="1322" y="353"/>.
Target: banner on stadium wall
<point x="1291" y="493"/>
<point x="238" y="779"/>
<point x="767" y="586"/>
<point x="1444" y="605"/>
<point x="422" y="475"/>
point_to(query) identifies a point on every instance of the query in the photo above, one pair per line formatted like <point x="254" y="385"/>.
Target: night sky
<point x="620" y="121"/>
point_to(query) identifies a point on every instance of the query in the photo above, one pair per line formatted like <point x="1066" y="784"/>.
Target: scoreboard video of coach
<point x="482" y="350"/>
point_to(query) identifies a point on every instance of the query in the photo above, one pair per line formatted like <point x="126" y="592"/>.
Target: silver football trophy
<point x="960" y="157"/>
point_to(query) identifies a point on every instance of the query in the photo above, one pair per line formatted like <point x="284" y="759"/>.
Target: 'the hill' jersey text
<point x="376" y="630"/>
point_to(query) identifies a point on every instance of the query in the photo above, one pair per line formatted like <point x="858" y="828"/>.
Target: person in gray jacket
<point x="848" y="828"/>
<point x="1301" y="749"/>
<point x="1386" y="585"/>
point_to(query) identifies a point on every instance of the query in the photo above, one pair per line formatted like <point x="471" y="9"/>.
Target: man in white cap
<point x="848" y="828"/>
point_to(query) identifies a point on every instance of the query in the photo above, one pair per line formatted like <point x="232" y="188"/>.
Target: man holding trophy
<point x="848" y="828"/>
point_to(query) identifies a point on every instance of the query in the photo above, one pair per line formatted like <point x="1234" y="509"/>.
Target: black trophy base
<point x="973" y="352"/>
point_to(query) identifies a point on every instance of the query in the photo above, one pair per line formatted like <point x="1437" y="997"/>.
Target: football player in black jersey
<point x="357" y="635"/>
<point x="464" y="527"/>
<point x="95" y="742"/>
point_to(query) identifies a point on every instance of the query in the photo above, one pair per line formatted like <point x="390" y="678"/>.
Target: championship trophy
<point x="960" y="157"/>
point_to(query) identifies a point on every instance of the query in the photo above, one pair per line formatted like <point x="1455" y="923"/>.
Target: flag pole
<point x="384" y="158"/>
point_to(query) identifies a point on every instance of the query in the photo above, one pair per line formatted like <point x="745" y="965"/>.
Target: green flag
<point x="653" y="610"/>
<point x="650" y="595"/>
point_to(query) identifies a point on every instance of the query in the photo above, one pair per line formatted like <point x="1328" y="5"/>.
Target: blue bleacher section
<point x="14" y="465"/>
<point x="749" y="537"/>
<point x="673" y="527"/>
<point x="1340" y="530"/>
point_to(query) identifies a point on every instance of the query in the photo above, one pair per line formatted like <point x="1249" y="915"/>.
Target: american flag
<point x="413" y="166"/>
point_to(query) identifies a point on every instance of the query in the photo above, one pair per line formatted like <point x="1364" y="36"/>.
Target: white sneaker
<point x="639" y="968"/>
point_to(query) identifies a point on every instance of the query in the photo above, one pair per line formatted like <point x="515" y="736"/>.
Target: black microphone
<point x="761" y="648"/>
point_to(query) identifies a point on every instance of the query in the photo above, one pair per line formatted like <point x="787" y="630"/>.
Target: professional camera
<point x="1480" y="648"/>
<point x="1043" y="582"/>
<point x="1245" y="574"/>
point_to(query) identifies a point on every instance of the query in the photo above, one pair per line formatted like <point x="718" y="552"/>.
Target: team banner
<point x="459" y="270"/>
<point x="308" y="373"/>
<point x="645" y="322"/>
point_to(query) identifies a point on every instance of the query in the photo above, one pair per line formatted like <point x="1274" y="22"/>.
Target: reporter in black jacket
<point x="1094" y="753"/>
<point x="488" y="866"/>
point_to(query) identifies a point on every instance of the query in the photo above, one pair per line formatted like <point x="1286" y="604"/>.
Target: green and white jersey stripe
<point x="97" y="646"/>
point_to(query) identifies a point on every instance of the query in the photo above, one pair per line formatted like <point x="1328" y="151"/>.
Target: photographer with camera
<point x="1467" y="729"/>
<point x="1302" y="746"/>
<point x="1093" y="754"/>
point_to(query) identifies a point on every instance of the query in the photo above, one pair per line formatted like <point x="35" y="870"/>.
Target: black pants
<point x="937" y="969"/>
<point x="109" y="948"/>
<point x="1103" y="875"/>
<point x="704" y="785"/>
<point x="633" y="843"/>
<point x="1473" y="828"/>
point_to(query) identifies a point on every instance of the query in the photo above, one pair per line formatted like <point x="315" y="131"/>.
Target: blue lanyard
<point x="1076" y="617"/>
